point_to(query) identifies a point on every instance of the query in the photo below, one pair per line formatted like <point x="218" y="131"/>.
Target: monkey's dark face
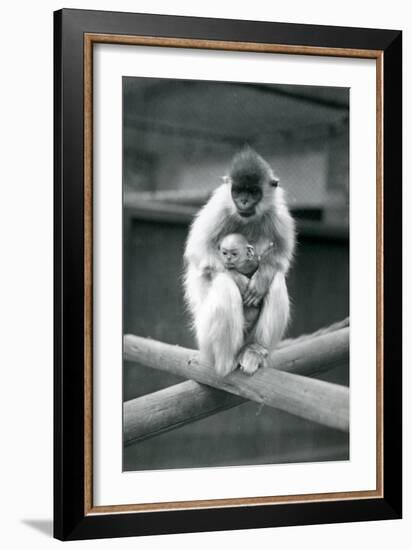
<point x="252" y="183"/>
<point x="246" y="198"/>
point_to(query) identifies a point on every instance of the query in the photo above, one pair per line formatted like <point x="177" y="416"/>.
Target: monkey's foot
<point x="251" y="358"/>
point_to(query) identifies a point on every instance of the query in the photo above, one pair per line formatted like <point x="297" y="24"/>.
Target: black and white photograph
<point x="205" y="275"/>
<point x="235" y="273"/>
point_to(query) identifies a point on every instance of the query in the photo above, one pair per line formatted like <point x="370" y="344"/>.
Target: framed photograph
<point x="227" y="197"/>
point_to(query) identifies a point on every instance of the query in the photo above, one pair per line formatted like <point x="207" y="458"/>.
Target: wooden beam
<point x="320" y="332"/>
<point x="315" y="400"/>
<point x="187" y="402"/>
<point x="173" y="407"/>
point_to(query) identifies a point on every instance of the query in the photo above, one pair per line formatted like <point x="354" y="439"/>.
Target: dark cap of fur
<point x="249" y="168"/>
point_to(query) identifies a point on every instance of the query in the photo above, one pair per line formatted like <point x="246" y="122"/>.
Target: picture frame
<point x="76" y="32"/>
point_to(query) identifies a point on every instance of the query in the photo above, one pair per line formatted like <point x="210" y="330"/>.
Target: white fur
<point x="198" y="247"/>
<point x="213" y="297"/>
<point x="274" y="316"/>
<point x="219" y="324"/>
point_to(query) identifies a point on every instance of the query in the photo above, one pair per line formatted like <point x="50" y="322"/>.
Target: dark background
<point x="179" y="137"/>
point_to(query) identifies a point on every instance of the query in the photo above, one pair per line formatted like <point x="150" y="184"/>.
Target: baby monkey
<point x="241" y="262"/>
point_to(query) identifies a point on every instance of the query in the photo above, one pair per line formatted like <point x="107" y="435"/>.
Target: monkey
<point x="239" y="258"/>
<point x="241" y="262"/>
<point x="250" y="202"/>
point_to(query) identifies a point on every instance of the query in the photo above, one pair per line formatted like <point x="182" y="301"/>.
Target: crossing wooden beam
<point x="281" y="385"/>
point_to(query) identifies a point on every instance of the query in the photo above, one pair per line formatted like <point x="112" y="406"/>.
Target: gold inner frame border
<point x="94" y="38"/>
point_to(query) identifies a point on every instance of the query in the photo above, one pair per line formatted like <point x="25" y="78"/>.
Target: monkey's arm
<point x="241" y="280"/>
<point x="260" y="282"/>
<point x="276" y="259"/>
<point x="201" y="245"/>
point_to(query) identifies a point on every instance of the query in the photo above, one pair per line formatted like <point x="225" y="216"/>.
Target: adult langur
<point x="249" y="202"/>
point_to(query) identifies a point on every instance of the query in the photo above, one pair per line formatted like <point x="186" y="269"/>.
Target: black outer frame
<point x="70" y="522"/>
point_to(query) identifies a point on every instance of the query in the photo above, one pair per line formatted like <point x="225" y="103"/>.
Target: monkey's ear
<point x="250" y="251"/>
<point x="274" y="182"/>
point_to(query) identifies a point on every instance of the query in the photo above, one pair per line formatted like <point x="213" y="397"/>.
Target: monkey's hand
<point x="207" y="270"/>
<point x="256" y="291"/>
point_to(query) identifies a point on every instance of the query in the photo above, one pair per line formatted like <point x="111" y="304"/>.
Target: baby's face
<point x="233" y="255"/>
